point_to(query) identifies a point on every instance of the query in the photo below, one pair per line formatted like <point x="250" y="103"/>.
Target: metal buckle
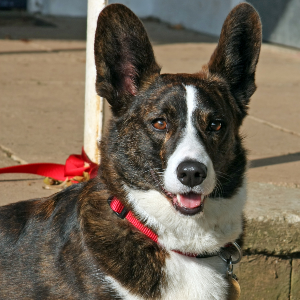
<point x="239" y="251"/>
<point x="229" y="261"/>
<point x="229" y="267"/>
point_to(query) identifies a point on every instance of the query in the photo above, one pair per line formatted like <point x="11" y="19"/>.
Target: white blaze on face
<point x="189" y="148"/>
<point x="221" y="220"/>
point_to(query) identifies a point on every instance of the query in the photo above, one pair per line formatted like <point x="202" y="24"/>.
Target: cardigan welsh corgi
<point x="170" y="190"/>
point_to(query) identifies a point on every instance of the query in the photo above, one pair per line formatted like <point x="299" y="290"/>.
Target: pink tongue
<point x="190" y="200"/>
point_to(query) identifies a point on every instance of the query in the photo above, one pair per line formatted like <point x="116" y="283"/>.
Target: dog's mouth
<point x="188" y="204"/>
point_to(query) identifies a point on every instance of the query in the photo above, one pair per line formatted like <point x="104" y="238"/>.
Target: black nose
<point x="191" y="173"/>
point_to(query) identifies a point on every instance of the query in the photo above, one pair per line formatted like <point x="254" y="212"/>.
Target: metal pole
<point x="93" y="116"/>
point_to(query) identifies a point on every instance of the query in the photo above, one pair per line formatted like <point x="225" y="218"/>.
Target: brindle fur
<point x="62" y="247"/>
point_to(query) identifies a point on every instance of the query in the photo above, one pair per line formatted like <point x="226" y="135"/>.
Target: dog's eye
<point x="215" y="126"/>
<point x="159" y="124"/>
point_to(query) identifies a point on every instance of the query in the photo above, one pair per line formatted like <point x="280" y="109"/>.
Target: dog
<point x="170" y="190"/>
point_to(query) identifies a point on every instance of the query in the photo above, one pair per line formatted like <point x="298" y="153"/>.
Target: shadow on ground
<point x="275" y="160"/>
<point x="19" y="25"/>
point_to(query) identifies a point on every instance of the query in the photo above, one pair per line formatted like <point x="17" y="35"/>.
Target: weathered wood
<point x="93" y="121"/>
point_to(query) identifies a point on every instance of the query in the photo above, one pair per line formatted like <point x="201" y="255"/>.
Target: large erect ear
<point x="237" y="53"/>
<point x="123" y="54"/>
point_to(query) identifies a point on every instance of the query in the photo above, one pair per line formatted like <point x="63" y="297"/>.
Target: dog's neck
<point x="117" y="206"/>
<point x="207" y="232"/>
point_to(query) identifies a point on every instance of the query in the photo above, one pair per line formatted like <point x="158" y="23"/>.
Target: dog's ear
<point x="123" y="54"/>
<point x="237" y="53"/>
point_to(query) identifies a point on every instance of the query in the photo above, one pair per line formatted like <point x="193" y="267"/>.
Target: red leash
<point x="75" y="166"/>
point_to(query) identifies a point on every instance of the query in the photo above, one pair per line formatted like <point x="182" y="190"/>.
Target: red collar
<point x="120" y="210"/>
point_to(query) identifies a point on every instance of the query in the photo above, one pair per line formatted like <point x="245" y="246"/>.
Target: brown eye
<point x="215" y="126"/>
<point x="159" y="124"/>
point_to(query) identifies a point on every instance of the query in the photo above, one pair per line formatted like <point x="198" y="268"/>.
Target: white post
<point x="35" y="6"/>
<point x="93" y="116"/>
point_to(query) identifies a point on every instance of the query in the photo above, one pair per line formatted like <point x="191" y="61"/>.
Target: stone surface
<point x="273" y="219"/>
<point x="295" y="279"/>
<point x="15" y="187"/>
<point x="264" y="278"/>
<point x="42" y="100"/>
<point x="272" y="237"/>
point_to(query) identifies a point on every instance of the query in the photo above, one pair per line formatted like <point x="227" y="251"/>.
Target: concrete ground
<point x="42" y="78"/>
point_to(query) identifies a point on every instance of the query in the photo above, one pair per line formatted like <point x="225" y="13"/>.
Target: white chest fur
<point x="187" y="278"/>
<point x="194" y="279"/>
<point x="219" y="224"/>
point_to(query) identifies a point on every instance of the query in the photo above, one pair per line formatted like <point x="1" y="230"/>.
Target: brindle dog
<point x="173" y="157"/>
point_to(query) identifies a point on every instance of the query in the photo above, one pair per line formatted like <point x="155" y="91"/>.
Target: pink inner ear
<point x="128" y="75"/>
<point x="129" y="86"/>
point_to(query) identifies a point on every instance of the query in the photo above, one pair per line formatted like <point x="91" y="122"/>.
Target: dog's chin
<point x="187" y="204"/>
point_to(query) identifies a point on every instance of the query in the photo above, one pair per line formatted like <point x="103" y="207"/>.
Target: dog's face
<point x="176" y="134"/>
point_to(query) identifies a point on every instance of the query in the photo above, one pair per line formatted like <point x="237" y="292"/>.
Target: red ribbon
<point x="75" y="166"/>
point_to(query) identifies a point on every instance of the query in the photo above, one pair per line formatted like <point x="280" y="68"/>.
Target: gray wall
<point x="281" y="20"/>
<point x="73" y="8"/>
<point x="205" y="16"/>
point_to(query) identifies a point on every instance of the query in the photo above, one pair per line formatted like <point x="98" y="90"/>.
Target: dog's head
<point x="175" y="135"/>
